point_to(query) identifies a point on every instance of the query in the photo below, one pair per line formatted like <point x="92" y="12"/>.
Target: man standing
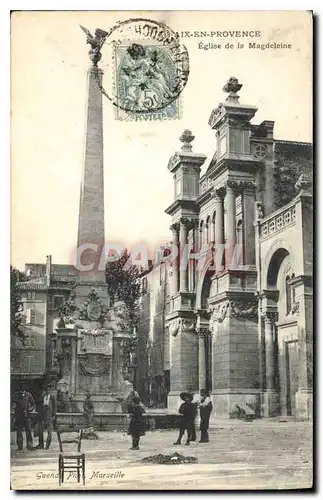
<point x="23" y="407"/>
<point x="46" y="415"/>
<point x="206" y="408"/>
<point x="88" y="410"/>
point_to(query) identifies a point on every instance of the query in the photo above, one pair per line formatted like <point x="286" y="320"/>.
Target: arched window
<point x="288" y="293"/>
<point x="213" y="227"/>
<point x="238" y="252"/>
<point x="239" y="232"/>
<point x="208" y="230"/>
<point x="292" y="291"/>
<point x="201" y="234"/>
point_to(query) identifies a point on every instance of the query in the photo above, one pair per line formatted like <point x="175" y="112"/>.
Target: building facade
<point x="238" y="298"/>
<point x="229" y="305"/>
<point x="47" y="289"/>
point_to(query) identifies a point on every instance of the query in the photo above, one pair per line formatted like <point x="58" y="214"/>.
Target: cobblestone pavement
<point x="256" y="455"/>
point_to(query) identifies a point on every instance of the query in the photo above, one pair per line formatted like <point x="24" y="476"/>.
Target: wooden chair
<point x="70" y="461"/>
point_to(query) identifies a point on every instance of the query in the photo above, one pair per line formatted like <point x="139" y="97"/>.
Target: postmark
<point x="145" y="70"/>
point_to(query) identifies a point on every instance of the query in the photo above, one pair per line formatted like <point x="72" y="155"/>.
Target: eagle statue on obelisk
<point x="96" y="43"/>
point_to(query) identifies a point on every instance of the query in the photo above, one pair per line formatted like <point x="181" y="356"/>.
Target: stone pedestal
<point x="271" y="404"/>
<point x="304" y="405"/>
<point x="102" y="403"/>
<point x="235" y="356"/>
<point x="184" y="359"/>
<point x="91" y="351"/>
<point x="225" y="401"/>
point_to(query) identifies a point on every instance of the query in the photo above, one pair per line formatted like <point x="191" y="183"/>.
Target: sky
<point x="49" y="63"/>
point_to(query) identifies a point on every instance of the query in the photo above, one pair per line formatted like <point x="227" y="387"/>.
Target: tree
<point x="16" y="307"/>
<point x="123" y="283"/>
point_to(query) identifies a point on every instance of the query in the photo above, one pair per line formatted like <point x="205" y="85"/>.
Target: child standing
<point x="137" y="425"/>
<point x="188" y="411"/>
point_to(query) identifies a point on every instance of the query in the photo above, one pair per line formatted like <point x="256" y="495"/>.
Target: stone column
<point x="230" y="217"/>
<point x="218" y="217"/>
<point x="183" y="264"/>
<point x="248" y="200"/>
<point x="175" y="230"/>
<point x="202" y="361"/>
<point x="193" y="262"/>
<point x="270" y="352"/>
<point x="218" y="236"/>
<point x="271" y="398"/>
<point x="303" y="311"/>
<point x="193" y="247"/>
<point x="73" y="364"/>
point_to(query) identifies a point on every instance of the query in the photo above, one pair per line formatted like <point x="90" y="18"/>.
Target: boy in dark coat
<point x="187" y="422"/>
<point x="137" y="425"/>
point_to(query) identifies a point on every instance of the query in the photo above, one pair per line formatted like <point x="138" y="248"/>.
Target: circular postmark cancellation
<point x="147" y="67"/>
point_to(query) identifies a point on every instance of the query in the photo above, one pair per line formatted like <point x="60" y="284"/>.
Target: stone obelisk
<point x="90" y="241"/>
<point x="92" y="345"/>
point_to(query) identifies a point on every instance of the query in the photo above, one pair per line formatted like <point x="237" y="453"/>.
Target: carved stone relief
<point x="179" y="324"/>
<point x="238" y="309"/>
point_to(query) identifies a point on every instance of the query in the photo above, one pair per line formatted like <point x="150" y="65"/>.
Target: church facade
<point x="235" y="305"/>
<point x="229" y="305"/>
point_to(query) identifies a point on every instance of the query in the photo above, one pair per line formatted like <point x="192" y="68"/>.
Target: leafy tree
<point x="291" y="160"/>
<point x="123" y="283"/>
<point x="16" y="307"/>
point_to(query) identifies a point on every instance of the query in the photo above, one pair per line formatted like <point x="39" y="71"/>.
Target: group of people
<point x="46" y="411"/>
<point x="45" y="407"/>
<point x="188" y="411"/>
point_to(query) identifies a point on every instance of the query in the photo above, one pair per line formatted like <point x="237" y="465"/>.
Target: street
<point x="264" y="454"/>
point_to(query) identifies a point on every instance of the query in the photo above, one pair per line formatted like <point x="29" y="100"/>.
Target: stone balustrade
<point x="278" y="220"/>
<point x="205" y="184"/>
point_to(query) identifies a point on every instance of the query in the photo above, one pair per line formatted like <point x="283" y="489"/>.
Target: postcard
<point x="161" y="250"/>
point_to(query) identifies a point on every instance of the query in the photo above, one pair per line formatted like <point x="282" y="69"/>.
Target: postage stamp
<point x="147" y="70"/>
<point x="144" y="77"/>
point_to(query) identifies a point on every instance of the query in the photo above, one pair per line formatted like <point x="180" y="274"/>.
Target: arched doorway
<point x="205" y="340"/>
<point x="281" y="331"/>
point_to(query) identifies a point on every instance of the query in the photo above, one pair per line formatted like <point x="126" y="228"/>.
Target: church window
<point x="177" y="186"/>
<point x="260" y="150"/>
<point x="208" y="229"/>
<point x="239" y="230"/>
<point x="293" y="291"/>
<point x="213" y="227"/>
<point x="30" y="316"/>
<point x="290" y="293"/>
<point x="235" y="141"/>
<point x="31" y="338"/>
<point x="58" y="301"/>
<point x="201" y="234"/>
<point x="223" y="145"/>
